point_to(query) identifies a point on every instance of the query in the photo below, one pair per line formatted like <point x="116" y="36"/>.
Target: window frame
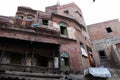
<point x="30" y="18"/>
<point x="104" y="57"/>
<point x="65" y="57"/>
<point x="63" y="29"/>
<point x="20" y="17"/>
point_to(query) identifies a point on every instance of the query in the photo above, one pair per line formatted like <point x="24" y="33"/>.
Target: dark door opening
<point x="102" y="55"/>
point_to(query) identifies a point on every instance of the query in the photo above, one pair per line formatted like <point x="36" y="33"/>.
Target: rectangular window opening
<point x="102" y="55"/>
<point x="45" y="22"/>
<point x="66" y="61"/>
<point x="109" y="30"/>
<point x="84" y="28"/>
<point x="29" y="19"/>
<point x="81" y="45"/>
<point x="78" y="13"/>
<point x="63" y="30"/>
<point x="67" y="12"/>
<point x="20" y="17"/>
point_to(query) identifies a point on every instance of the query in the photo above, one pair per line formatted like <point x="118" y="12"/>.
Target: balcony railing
<point x="32" y="69"/>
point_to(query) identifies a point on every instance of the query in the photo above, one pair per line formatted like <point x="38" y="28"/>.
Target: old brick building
<point x="53" y="41"/>
<point x="105" y="37"/>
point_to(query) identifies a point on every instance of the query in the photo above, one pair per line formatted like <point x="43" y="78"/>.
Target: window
<point x="109" y="30"/>
<point x="81" y="45"/>
<point x="78" y="13"/>
<point x="63" y="28"/>
<point x="45" y="22"/>
<point x="65" y="59"/>
<point x="20" y="17"/>
<point x="29" y="19"/>
<point x="67" y="12"/>
<point x="65" y="65"/>
<point x="102" y="54"/>
<point x="84" y="28"/>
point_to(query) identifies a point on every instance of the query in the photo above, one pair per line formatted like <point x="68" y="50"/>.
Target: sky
<point x="93" y="12"/>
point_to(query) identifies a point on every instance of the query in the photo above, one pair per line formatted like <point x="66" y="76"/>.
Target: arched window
<point x="20" y="17"/>
<point x="29" y="18"/>
<point x="65" y="61"/>
<point x="63" y="28"/>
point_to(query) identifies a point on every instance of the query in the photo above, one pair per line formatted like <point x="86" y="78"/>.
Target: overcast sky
<point x="93" y="12"/>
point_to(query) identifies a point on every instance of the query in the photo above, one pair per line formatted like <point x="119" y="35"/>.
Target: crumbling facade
<point x="34" y="44"/>
<point x="53" y="41"/>
<point x="105" y="36"/>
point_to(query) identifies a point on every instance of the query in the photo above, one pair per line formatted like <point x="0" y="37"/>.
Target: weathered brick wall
<point x="73" y="11"/>
<point x="78" y="62"/>
<point x="98" y="31"/>
<point x="102" y="39"/>
<point x="71" y="48"/>
<point x="74" y="55"/>
<point x="76" y="32"/>
<point x="70" y="23"/>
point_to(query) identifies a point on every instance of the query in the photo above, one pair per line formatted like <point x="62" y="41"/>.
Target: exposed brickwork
<point x="80" y="62"/>
<point x="28" y="25"/>
<point x="72" y="50"/>
<point x="74" y="11"/>
<point x="36" y="34"/>
<point x="106" y="34"/>
<point x="98" y="31"/>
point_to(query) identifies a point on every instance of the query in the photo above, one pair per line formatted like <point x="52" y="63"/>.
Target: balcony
<point x="24" y="56"/>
